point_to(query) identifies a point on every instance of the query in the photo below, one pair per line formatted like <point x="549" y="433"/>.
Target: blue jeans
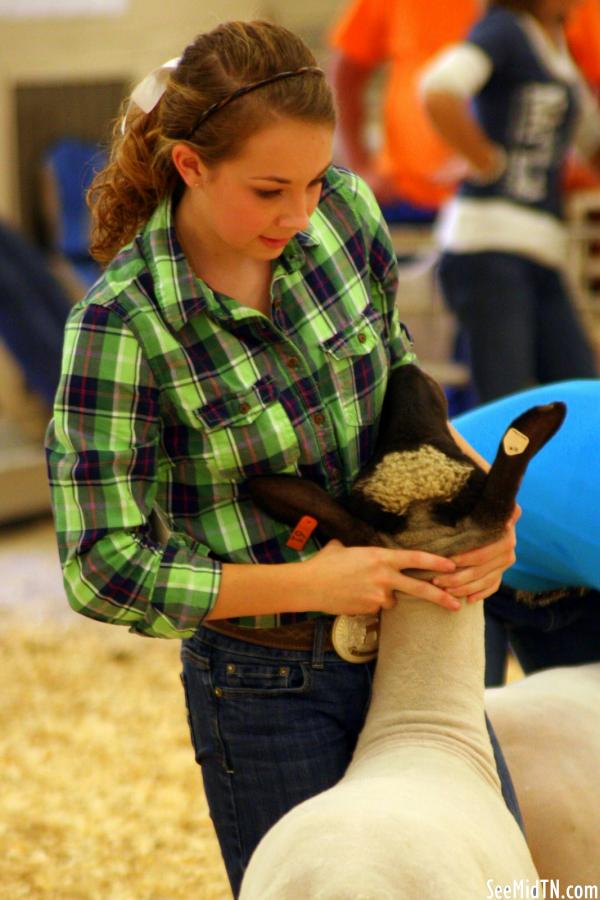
<point x="564" y="633"/>
<point x="518" y="321"/>
<point x="271" y="728"/>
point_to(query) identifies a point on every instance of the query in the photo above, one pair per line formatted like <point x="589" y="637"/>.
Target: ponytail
<point x="127" y="191"/>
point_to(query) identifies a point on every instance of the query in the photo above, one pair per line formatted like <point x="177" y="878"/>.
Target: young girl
<point x="510" y="100"/>
<point x="245" y="324"/>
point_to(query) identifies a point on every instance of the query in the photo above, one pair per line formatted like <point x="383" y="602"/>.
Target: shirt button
<point x="362" y="337"/>
<point x="292" y="362"/>
<point x="244" y="408"/>
<point x="218" y="692"/>
<point x="319" y="418"/>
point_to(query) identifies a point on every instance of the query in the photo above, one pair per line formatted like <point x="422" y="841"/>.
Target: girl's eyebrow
<point x="279" y="180"/>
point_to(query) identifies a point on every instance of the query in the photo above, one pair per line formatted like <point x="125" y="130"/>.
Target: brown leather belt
<point x="297" y="636"/>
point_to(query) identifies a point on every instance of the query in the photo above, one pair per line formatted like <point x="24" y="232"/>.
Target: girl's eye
<point x="277" y="192"/>
<point x="267" y="195"/>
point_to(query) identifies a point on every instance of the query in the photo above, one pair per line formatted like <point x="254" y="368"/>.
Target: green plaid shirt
<point x="173" y="395"/>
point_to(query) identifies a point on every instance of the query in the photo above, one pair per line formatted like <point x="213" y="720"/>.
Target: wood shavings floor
<point x="101" y="798"/>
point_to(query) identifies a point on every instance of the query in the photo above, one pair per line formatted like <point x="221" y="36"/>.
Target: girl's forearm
<point x="257" y="590"/>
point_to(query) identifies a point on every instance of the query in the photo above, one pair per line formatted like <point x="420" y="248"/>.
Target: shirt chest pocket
<point x="248" y="433"/>
<point x="359" y="365"/>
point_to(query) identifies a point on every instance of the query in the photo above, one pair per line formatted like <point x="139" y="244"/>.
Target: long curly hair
<point x="140" y="171"/>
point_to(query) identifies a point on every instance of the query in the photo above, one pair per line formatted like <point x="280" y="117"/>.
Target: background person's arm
<point x="447" y="85"/>
<point x="350" y="81"/>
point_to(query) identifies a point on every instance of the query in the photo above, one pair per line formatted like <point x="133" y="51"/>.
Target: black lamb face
<point x="364" y="509"/>
<point x="403" y="479"/>
<point x="414" y="414"/>
<point x="419" y="485"/>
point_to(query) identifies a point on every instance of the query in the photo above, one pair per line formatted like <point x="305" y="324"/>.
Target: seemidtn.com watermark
<point x="542" y="889"/>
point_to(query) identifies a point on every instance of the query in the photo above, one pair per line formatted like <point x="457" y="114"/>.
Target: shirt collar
<point x="179" y="292"/>
<point x="555" y="56"/>
<point x="308" y="237"/>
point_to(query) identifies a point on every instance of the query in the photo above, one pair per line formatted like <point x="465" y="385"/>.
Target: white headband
<point x="149" y="91"/>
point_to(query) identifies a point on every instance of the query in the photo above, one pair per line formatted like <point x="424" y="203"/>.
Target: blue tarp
<point x="559" y="531"/>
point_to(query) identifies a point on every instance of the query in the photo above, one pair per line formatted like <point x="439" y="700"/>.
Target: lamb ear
<point x="538" y="424"/>
<point x="523" y="438"/>
<point x="288" y="498"/>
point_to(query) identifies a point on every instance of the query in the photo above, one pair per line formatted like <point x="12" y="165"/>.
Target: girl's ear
<point x="288" y="498"/>
<point x="189" y="165"/>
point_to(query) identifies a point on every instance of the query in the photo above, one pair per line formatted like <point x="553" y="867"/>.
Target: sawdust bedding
<point x="100" y="797"/>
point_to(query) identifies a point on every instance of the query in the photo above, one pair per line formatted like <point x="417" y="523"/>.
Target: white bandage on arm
<point x="460" y="69"/>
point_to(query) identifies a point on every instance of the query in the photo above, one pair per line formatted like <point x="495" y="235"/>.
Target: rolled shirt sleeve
<point x="103" y="452"/>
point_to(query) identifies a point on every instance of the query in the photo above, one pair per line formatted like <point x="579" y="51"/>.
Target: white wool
<point x="419" y="814"/>
<point x="549" y="729"/>
<point x="412" y="475"/>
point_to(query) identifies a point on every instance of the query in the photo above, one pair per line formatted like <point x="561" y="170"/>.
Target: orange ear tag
<point x="301" y="533"/>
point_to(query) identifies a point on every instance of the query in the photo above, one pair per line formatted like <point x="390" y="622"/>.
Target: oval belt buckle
<point x="356" y="638"/>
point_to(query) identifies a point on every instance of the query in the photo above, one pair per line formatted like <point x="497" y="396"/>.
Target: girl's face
<point x="252" y="205"/>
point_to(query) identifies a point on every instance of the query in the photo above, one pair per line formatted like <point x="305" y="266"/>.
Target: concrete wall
<point x="130" y="45"/>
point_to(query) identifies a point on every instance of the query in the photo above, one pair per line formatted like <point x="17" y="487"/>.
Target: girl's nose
<point x="295" y="222"/>
<point x="296" y="217"/>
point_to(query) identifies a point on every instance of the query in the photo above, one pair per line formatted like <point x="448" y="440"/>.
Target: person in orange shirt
<point x="413" y="163"/>
<point x="583" y="34"/>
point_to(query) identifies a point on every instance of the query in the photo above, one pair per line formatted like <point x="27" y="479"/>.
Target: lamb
<point x="548" y="726"/>
<point x="419" y="813"/>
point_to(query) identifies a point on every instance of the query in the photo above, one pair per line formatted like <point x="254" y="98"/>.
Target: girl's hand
<point x="479" y="572"/>
<point x="362" y="580"/>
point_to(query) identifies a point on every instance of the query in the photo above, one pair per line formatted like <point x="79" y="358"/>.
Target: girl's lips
<point x="274" y="242"/>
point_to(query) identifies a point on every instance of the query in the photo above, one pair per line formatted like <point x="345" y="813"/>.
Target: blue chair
<point x="71" y="163"/>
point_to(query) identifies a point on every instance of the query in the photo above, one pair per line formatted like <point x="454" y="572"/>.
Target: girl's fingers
<point x="505" y="544"/>
<point x="426" y="590"/>
<point x="499" y="550"/>
<point x="420" y="559"/>
<point x="482" y="588"/>
<point x="461" y="581"/>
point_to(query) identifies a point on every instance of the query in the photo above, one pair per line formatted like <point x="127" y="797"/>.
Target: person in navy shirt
<point x="511" y="102"/>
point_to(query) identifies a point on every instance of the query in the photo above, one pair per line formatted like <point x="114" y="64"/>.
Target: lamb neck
<point x="429" y="686"/>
